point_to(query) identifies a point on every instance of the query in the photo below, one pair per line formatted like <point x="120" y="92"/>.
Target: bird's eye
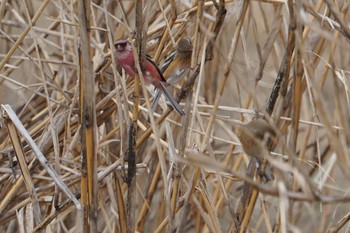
<point x="120" y="47"/>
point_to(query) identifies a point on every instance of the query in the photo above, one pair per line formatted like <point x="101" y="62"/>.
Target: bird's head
<point x="122" y="46"/>
<point x="184" y="45"/>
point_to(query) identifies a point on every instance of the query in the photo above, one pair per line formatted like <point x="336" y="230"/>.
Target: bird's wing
<point x="167" y="61"/>
<point x="176" y="76"/>
<point x="156" y="66"/>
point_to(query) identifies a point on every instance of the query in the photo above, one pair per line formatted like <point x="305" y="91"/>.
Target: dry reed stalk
<point x="88" y="122"/>
<point x="195" y="168"/>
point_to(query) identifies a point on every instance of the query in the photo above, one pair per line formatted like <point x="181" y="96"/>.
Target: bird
<point x="176" y="65"/>
<point x="254" y="138"/>
<point x="151" y="73"/>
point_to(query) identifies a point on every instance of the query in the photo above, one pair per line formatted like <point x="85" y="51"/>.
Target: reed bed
<point x="81" y="151"/>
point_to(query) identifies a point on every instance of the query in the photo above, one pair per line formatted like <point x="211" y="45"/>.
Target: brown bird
<point x="176" y="66"/>
<point x="254" y="138"/>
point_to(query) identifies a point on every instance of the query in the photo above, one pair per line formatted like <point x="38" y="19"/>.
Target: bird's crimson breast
<point x="128" y="64"/>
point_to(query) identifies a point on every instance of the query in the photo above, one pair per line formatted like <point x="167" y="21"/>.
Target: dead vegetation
<point x="79" y="154"/>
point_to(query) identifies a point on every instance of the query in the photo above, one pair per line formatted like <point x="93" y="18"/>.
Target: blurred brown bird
<point x="176" y="66"/>
<point x="254" y="138"/>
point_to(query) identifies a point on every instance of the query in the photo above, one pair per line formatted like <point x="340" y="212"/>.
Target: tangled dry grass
<point x="80" y="152"/>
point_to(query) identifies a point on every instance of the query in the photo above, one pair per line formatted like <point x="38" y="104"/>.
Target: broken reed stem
<point x="140" y="59"/>
<point x="88" y="122"/>
<point x="15" y="138"/>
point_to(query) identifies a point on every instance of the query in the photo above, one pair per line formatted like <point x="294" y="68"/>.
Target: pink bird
<point x="151" y="73"/>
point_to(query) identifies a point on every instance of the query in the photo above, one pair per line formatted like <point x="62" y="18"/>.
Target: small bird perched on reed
<point x="152" y="75"/>
<point x="254" y="138"/>
<point x="176" y="66"/>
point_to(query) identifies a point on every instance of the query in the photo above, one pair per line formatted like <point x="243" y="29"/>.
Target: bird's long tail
<point x="156" y="99"/>
<point x="170" y="98"/>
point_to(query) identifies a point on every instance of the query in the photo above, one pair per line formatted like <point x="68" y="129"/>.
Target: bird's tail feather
<point x="156" y="99"/>
<point x="171" y="99"/>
